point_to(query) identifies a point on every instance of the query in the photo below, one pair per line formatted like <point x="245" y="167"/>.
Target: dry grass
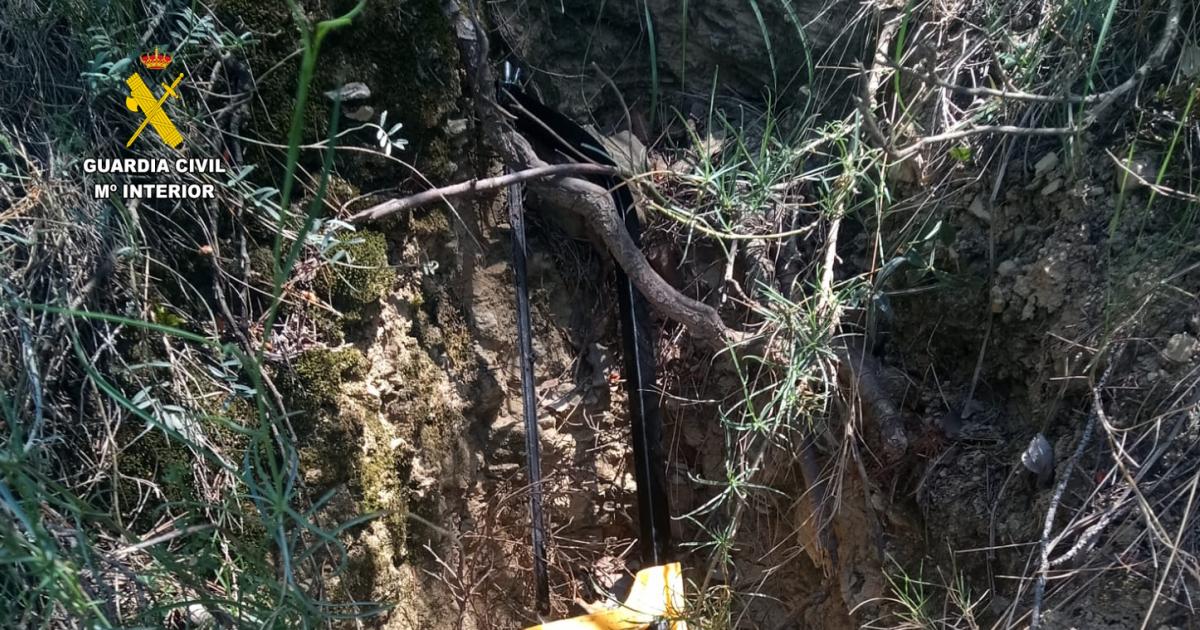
<point x="952" y="95"/>
<point x="149" y="473"/>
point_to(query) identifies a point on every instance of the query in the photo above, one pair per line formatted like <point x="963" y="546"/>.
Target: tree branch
<point x="474" y="186"/>
<point x="595" y="206"/>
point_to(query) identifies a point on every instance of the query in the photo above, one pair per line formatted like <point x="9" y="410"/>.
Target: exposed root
<point x="858" y="373"/>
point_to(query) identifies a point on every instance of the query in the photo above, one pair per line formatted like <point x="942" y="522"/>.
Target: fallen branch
<point x="595" y="206"/>
<point x="1085" y="439"/>
<point x="858" y="373"/>
<point x="474" y="186"/>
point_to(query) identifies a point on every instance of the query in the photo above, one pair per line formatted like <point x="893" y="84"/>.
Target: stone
<point x="978" y="210"/>
<point x="1046" y="164"/>
<point x="354" y="91"/>
<point x="1180" y="348"/>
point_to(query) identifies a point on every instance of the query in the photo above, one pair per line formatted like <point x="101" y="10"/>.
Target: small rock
<point x="1180" y="348"/>
<point x="1052" y="187"/>
<point x="361" y="114"/>
<point x="456" y="126"/>
<point x="1133" y="174"/>
<point x="1007" y="267"/>
<point x="978" y="210"/>
<point x="1046" y="164"/>
<point x="353" y="91"/>
<point x="1038" y="459"/>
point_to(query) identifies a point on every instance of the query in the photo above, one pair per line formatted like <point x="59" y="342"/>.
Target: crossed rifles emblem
<point x="140" y="97"/>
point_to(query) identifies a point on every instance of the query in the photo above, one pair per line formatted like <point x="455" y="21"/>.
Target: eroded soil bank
<point x="989" y="336"/>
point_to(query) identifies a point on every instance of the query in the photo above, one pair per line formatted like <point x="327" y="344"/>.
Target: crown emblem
<point x="157" y="61"/>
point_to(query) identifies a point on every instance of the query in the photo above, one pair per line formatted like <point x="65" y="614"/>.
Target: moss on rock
<point x="426" y="223"/>
<point x="383" y="480"/>
<point x="151" y="456"/>
<point x="360" y="278"/>
<point x="317" y="375"/>
<point x="328" y="427"/>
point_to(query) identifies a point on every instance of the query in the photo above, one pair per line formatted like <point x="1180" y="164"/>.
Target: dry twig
<point x="475" y="186"/>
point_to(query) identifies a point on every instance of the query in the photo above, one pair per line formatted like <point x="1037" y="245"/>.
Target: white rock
<point x="1046" y="164"/>
<point x="978" y="210"/>
<point x="1180" y="348"/>
<point x="1052" y="187"/>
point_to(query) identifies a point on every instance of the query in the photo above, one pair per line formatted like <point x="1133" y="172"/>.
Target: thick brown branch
<point x="595" y="206"/>
<point x="858" y="373"/>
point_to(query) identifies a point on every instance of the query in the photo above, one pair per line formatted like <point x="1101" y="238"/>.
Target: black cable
<point x="533" y="457"/>
<point x="557" y="132"/>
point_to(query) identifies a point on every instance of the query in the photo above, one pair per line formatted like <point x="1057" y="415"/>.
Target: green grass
<point x="915" y="602"/>
<point x="738" y="197"/>
<point x="133" y="541"/>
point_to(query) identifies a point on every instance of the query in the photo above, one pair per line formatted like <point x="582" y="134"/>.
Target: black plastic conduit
<point x="533" y="456"/>
<point x="559" y="133"/>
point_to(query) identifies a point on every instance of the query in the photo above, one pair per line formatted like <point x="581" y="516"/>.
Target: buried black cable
<point x="533" y="462"/>
<point x="533" y="457"/>
<point x="559" y="133"/>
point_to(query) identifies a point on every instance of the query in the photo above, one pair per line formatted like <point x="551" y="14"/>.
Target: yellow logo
<point x="140" y="97"/>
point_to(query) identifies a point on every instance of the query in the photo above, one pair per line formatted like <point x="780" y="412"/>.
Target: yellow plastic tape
<point x="656" y="595"/>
